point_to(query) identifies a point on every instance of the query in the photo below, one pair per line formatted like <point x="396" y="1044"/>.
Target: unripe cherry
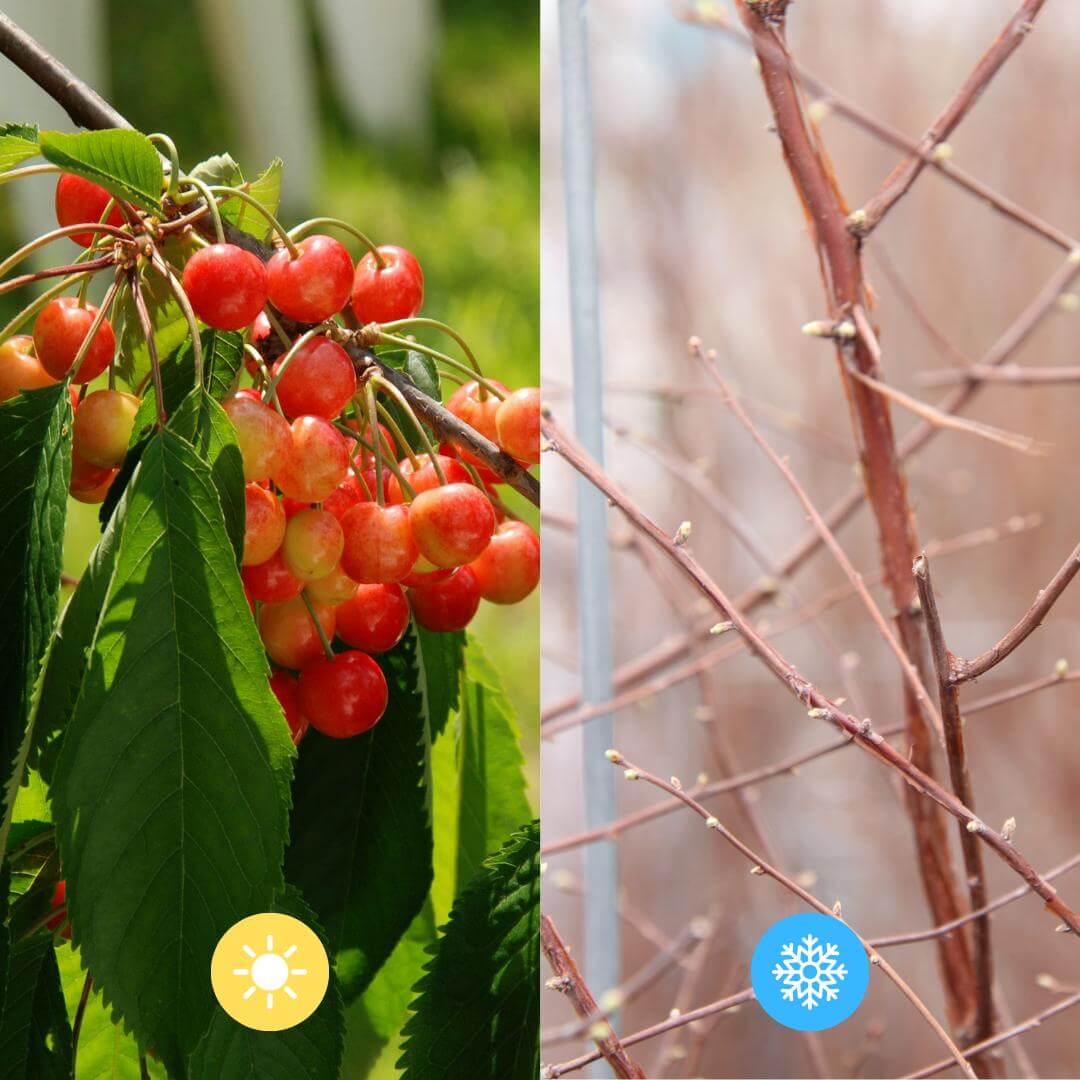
<point x="317" y="463"/>
<point x="271" y="581"/>
<point x="226" y="286"/>
<point x="313" y="285"/>
<point x="287" y="692"/>
<point x="319" y="380"/>
<point x="452" y="524"/>
<point x="264" y="525"/>
<point x="20" y="369"/>
<point x="379" y="545"/>
<point x="375" y="619"/>
<point x="82" y="202"/>
<point x="103" y="426"/>
<point x="262" y="434"/>
<point x="312" y="544"/>
<point x="289" y="634"/>
<point x="391" y="292"/>
<point x="334" y="588"/>
<point x="59" y="331"/>
<point x="448" y="605"/>
<point x="517" y="425"/>
<point x="343" y="696"/>
<point x="508" y="569"/>
<point x="423" y="477"/>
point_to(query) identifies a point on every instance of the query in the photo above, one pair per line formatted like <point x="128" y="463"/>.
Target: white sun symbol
<point x="269" y="972"/>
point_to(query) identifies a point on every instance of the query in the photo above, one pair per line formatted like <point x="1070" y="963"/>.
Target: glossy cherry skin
<point x="345" y="696"/>
<point x="103" y="426"/>
<point x="263" y="435"/>
<point x="226" y="286"/>
<point x="346" y="495"/>
<point x="271" y="581"/>
<point x="395" y="291"/>
<point x="315" y="284"/>
<point x="89" y="483"/>
<point x="59" y="331"/>
<point x="312" y="544"/>
<point x="423" y="477"/>
<point x="452" y="524"/>
<point x="264" y="525"/>
<point x="319" y="380"/>
<point x="287" y="692"/>
<point x="20" y="369"/>
<point x="424" y="573"/>
<point x="317" y="463"/>
<point x="375" y="619"/>
<point x="487" y="476"/>
<point x="448" y="605"/>
<point x="379" y="545"/>
<point x="82" y="202"/>
<point x="333" y="588"/>
<point x="508" y="569"/>
<point x="289" y="633"/>
<point x="517" y="425"/>
<point x="477" y="407"/>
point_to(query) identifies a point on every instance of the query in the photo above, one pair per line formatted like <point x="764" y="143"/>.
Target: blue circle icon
<point x="809" y="972"/>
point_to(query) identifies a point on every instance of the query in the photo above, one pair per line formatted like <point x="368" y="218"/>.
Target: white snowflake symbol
<point x="810" y="972"/>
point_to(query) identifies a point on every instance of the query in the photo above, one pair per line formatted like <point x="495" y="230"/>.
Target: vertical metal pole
<point x="594" y="585"/>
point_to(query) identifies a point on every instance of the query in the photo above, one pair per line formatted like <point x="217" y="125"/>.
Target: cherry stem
<point x="211" y="204"/>
<point x="373" y="426"/>
<point x="28" y="170"/>
<point x="454" y="376"/>
<point x="265" y="373"/>
<point x="284" y="362"/>
<point x="254" y="203"/>
<point x="99" y="318"/>
<point x="151" y="346"/>
<point x="320" y="222"/>
<point x="395" y="430"/>
<point x="17" y="257"/>
<point x="77" y="1023"/>
<point x="389" y="388"/>
<point x="353" y="455"/>
<point x="318" y="625"/>
<point x="434" y="324"/>
<point x="174" y="162"/>
<point x="406" y="343"/>
<point x="36" y="305"/>
<point x="55" y="271"/>
<point x="167" y="272"/>
<point x="388" y="460"/>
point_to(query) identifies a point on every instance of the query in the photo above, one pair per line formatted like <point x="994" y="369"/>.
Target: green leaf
<point x="166" y="318"/>
<point x="309" y="1051"/>
<point x="477" y="1012"/>
<point x="17" y="143"/>
<point x="171" y="792"/>
<point x="123" y="162"/>
<point x="35" y="432"/>
<point x="424" y="373"/>
<point x="360" y="850"/>
<point x="442" y="657"/>
<point x="266" y="190"/>
<point x="219" y="169"/>
<point x="493" y="801"/>
<point x="35" y="1037"/>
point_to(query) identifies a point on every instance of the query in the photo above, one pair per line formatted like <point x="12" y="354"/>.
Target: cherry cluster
<point x="350" y="531"/>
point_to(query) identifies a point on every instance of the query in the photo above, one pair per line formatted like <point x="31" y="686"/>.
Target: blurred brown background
<point x="701" y="233"/>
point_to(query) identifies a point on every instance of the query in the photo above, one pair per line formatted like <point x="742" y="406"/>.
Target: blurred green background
<point x="464" y="197"/>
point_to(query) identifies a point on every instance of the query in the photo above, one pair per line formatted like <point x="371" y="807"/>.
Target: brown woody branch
<point x="1012" y="375"/>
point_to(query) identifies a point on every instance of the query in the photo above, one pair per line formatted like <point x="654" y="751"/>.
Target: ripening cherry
<point x="319" y="380"/>
<point x="344" y="696"/>
<point x="312" y="544"/>
<point x="387" y="447"/>
<point x="59" y="331"/>
<point x="393" y="291"/>
<point x="426" y="573"/>
<point x="103" y="426"/>
<point x="271" y="581"/>
<point x="264" y="525"/>
<point x="289" y="633"/>
<point x="317" y="463"/>
<point x="20" y="369"/>
<point x="258" y="332"/>
<point x="508" y="569"/>
<point x="375" y="619"/>
<point x="487" y="476"/>
<point x="452" y="524"/>
<point x="89" y="483"/>
<point x="448" y="605"/>
<point x="226" y="286"/>
<point x="423" y="477"/>
<point x="333" y="588"/>
<point x="517" y="425"/>
<point x="477" y="407"/>
<point x="379" y="544"/>
<point x="287" y="691"/>
<point x="262" y="434"/>
<point x="313" y="285"/>
<point x="59" y="905"/>
<point x="82" y="202"/>
<point x="346" y="495"/>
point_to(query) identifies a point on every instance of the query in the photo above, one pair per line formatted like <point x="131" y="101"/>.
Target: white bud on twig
<point x="612" y="1000"/>
<point x="1008" y="828"/>
<point x="712" y="822"/>
<point x="941" y="153"/>
<point x="599" y="1031"/>
<point x="613" y="756"/>
<point x="837" y="908"/>
<point x="632" y="774"/>
<point x="974" y="826"/>
<point x="757" y="871"/>
<point x="682" y="534"/>
<point x="721" y="628"/>
<point x="1061" y="668"/>
<point x="818" y="110"/>
<point x="857" y="220"/>
<point x="818" y="714"/>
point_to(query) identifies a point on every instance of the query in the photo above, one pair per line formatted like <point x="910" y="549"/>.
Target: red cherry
<point x="487" y="477"/>
<point x="313" y="285"/>
<point x="452" y="524"/>
<point x="319" y="380"/>
<point x="59" y="331"/>
<point x="289" y="633"/>
<point x="103" y="426"/>
<point x="59" y="905"/>
<point x="386" y="444"/>
<point x="467" y="404"/>
<point x="264" y="525"/>
<point x="287" y="692"/>
<point x="250" y="393"/>
<point x="259" y="331"/>
<point x="424" y="573"/>
<point x="379" y="545"/>
<point x="448" y="605"/>
<point x="393" y="291"/>
<point x="312" y="544"/>
<point x="333" y="588"/>
<point x="517" y="424"/>
<point x="271" y="581"/>
<point x="81" y="202"/>
<point x="345" y="496"/>
<point x="226" y="286"/>
<point x="262" y="434"/>
<point x="508" y="569"/>
<point x="20" y="369"/>
<point x="423" y="477"/>
<point x="345" y="696"/>
<point x="89" y="483"/>
<point x="318" y="463"/>
<point x="375" y="619"/>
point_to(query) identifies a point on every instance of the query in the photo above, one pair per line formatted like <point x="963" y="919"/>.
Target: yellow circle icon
<point x="269" y="971"/>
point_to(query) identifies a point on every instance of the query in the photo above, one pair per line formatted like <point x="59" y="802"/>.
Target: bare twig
<point x="1009" y="374"/>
